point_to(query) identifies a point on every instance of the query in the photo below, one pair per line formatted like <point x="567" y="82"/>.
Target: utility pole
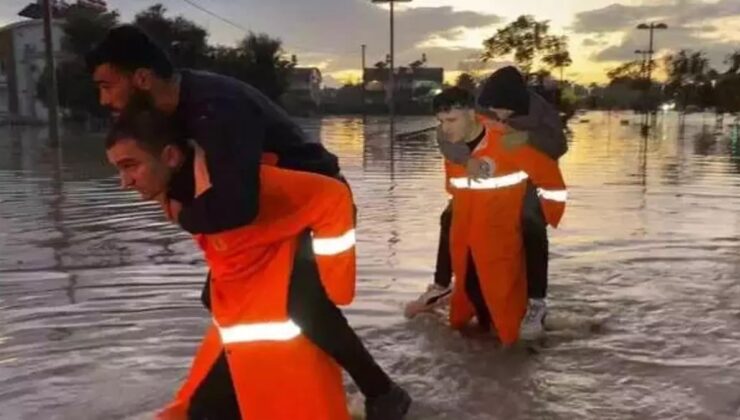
<point x="643" y="66"/>
<point x="391" y="72"/>
<point x="650" y="27"/>
<point x="391" y="75"/>
<point x="53" y="100"/>
<point x="362" y="77"/>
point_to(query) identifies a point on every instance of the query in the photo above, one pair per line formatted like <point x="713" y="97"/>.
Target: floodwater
<point x="99" y="297"/>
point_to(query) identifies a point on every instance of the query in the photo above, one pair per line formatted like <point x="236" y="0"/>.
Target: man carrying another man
<point x="237" y="128"/>
<point x="505" y="97"/>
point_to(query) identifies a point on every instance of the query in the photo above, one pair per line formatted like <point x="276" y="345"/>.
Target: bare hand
<point x="202" y="177"/>
<point x="477" y="169"/>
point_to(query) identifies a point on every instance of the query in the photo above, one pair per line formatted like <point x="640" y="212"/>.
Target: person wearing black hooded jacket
<point x="530" y="118"/>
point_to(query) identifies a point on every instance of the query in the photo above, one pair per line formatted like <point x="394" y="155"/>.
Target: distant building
<point x="414" y="87"/>
<point x="344" y="100"/>
<point x="22" y="63"/>
<point x="303" y="96"/>
<point x="305" y="85"/>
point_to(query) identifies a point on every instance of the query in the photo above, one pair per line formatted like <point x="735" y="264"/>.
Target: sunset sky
<point x="328" y="33"/>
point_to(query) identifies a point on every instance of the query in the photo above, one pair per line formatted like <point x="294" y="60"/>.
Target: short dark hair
<point x="451" y="98"/>
<point x="151" y="129"/>
<point x="128" y="48"/>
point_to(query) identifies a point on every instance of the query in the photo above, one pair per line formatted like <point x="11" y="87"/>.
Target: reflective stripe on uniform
<point x="336" y="245"/>
<point x="264" y="331"/>
<point x="489" y="183"/>
<point x="553" y="195"/>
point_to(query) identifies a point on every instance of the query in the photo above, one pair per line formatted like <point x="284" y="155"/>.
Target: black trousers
<point x="321" y="321"/>
<point x="536" y="246"/>
<point x="475" y="294"/>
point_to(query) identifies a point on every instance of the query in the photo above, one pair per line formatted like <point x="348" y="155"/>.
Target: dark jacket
<point x="235" y="124"/>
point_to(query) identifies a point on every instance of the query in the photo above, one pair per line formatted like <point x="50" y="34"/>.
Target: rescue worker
<point x="486" y="228"/>
<point x="236" y="126"/>
<point x="277" y="372"/>
<point x="504" y="96"/>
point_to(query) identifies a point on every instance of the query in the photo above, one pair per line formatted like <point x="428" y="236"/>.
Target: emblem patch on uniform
<point x="487" y="167"/>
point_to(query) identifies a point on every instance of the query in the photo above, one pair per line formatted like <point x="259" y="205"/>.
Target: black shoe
<point x="393" y="405"/>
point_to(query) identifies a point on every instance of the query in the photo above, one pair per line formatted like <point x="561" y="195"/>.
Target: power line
<point x="223" y="19"/>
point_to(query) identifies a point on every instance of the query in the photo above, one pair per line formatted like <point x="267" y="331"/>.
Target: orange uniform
<point x="277" y="372"/>
<point x="486" y="222"/>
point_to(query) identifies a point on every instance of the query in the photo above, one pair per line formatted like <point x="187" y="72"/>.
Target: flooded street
<point x="99" y="296"/>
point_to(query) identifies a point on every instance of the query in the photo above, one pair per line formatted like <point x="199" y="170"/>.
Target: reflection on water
<point x="99" y="296"/>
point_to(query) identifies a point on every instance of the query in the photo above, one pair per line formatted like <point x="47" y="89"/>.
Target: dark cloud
<point x="590" y="42"/>
<point x="613" y="18"/>
<point x="617" y="17"/>
<point x="341" y="26"/>
<point x="685" y="12"/>
<point x="686" y="28"/>
<point x="676" y="39"/>
<point x="638" y="40"/>
<point x="319" y="30"/>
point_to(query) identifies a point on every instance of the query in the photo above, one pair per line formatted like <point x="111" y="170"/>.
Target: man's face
<point x="140" y="169"/>
<point x="119" y="89"/>
<point x="456" y="124"/>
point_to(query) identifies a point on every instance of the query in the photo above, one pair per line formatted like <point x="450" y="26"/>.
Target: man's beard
<point x="140" y="100"/>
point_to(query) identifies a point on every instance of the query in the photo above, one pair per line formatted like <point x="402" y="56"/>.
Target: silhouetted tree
<point x="557" y="55"/>
<point x="527" y="39"/>
<point x="728" y="85"/>
<point x="630" y="73"/>
<point x="466" y="81"/>
<point x="258" y="59"/>
<point x="688" y="77"/>
<point x="265" y="67"/>
<point x="184" y="40"/>
<point x="84" y="27"/>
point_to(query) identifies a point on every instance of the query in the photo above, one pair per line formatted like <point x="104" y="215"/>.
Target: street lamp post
<point x="644" y="55"/>
<point x="644" y="77"/>
<point x="391" y="74"/>
<point x="652" y="26"/>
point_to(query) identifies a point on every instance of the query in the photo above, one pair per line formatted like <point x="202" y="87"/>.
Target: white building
<point x="305" y="82"/>
<point x="22" y="63"/>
